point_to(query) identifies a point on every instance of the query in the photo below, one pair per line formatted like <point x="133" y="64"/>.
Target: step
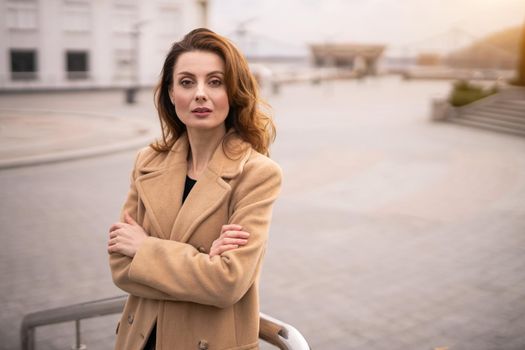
<point x="518" y="104"/>
<point x="512" y="94"/>
<point x="502" y="110"/>
<point x="496" y="112"/>
<point x="497" y="116"/>
<point x="494" y="121"/>
<point x="468" y="122"/>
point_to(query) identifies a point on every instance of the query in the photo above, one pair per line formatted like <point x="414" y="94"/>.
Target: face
<point x="199" y="92"/>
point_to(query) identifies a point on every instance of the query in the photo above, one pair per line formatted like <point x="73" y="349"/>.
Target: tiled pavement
<point x="392" y="232"/>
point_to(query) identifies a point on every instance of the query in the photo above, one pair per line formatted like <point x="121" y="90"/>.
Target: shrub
<point x="464" y="93"/>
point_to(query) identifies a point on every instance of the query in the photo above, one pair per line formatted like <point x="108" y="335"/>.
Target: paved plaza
<point x="391" y="232"/>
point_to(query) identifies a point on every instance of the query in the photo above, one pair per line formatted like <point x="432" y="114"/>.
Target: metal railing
<point x="273" y="331"/>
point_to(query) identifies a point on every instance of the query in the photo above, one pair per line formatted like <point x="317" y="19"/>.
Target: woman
<point x="194" y="227"/>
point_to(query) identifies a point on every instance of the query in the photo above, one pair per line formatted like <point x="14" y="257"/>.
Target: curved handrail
<point x="273" y="331"/>
<point x="281" y="334"/>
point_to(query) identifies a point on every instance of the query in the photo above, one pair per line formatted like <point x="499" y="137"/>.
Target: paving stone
<point x="391" y="232"/>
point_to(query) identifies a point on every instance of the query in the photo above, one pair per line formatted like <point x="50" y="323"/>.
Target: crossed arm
<point x="126" y="238"/>
<point x="153" y="268"/>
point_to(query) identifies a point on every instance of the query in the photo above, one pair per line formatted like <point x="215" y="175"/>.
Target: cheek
<point x="182" y="106"/>
<point x="181" y="99"/>
<point x="221" y="101"/>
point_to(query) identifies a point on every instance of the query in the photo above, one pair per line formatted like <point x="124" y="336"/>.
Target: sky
<point x="415" y="25"/>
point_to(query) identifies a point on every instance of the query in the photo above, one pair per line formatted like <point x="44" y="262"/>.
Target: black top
<point x="188" y="185"/>
<point x="152" y="340"/>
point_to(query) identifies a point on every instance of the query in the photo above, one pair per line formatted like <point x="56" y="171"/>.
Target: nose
<point x="200" y="93"/>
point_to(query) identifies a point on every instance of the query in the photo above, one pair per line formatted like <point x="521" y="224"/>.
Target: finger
<point x="225" y="248"/>
<point x="237" y="234"/>
<point x="118" y="232"/>
<point x="217" y="243"/>
<point x="230" y="227"/>
<point x="116" y="226"/>
<point x="114" y="234"/>
<point x="238" y="241"/>
<point x="129" y="219"/>
<point x="113" y="249"/>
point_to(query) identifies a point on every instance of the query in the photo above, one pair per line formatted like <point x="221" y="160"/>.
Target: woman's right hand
<point x="231" y="237"/>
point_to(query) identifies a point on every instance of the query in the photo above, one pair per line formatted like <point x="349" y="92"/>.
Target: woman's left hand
<point x="126" y="237"/>
<point x="231" y="237"/>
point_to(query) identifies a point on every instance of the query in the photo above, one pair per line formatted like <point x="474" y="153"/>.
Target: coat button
<point x="202" y="250"/>
<point x="130" y="318"/>
<point x="203" y="344"/>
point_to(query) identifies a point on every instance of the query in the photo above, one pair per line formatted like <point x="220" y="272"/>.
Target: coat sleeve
<point x="185" y="274"/>
<point x="120" y="264"/>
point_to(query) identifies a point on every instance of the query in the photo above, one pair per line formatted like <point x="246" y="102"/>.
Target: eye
<point x="186" y="82"/>
<point x="215" y="82"/>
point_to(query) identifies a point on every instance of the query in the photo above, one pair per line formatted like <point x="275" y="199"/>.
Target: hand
<point x="231" y="237"/>
<point x="126" y="237"/>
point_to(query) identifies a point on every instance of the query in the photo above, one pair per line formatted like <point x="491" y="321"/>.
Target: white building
<point x="56" y="44"/>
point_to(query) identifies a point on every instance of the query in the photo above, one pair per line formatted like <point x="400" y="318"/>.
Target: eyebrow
<point x="215" y="72"/>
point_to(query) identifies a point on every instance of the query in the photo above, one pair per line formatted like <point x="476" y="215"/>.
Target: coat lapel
<point x="205" y="197"/>
<point x="209" y="192"/>
<point x="161" y="186"/>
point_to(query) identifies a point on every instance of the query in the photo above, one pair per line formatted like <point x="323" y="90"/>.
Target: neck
<point x="202" y="146"/>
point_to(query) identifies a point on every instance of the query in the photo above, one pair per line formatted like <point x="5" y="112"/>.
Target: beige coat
<point x="197" y="302"/>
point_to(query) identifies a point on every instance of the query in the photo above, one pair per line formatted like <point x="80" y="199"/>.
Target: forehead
<point x="199" y="62"/>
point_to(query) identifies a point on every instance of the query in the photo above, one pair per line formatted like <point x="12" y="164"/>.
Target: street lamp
<point x="132" y="90"/>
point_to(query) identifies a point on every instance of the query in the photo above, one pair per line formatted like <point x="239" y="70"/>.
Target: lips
<point x="201" y="110"/>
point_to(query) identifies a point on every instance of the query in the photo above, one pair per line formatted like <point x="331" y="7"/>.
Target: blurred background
<point x="401" y="124"/>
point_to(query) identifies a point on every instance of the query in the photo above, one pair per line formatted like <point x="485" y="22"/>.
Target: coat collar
<point x="161" y="179"/>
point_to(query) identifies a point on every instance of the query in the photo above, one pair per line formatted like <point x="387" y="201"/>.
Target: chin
<point x="205" y="126"/>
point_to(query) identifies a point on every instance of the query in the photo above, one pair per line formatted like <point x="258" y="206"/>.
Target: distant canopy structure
<point x="359" y="57"/>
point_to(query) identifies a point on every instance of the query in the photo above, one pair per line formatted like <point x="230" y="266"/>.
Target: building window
<point x="23" y="65"/>
<point x="76" y="15"/>
<point x="77" y="21"/>
<point x="22" y="16"/>
<point x="77" y="65"/>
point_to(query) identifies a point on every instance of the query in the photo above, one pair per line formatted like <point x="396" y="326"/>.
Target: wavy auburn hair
<point x="245" y="116"/>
